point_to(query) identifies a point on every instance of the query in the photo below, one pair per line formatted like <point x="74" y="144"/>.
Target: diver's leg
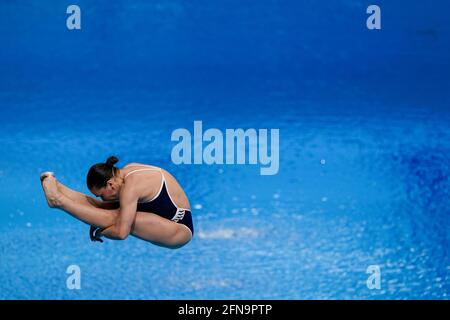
<point x="146" y="226"/>
<point x="77" y="196"/>
<point x="160" y="231"/>
<point x="87" y="213"/>
<point x="85" y="199"/>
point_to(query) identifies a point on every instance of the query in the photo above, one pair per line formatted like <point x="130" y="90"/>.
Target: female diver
<point x="138" y="199"/>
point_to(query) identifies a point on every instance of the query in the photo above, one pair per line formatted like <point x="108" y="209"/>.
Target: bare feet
<point x="50" y="187"/>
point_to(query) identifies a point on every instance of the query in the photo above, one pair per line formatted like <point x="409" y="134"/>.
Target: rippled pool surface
<point x="364" y="146"/>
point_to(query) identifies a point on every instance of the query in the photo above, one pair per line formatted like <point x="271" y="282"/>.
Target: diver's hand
<point x="94" y="234"/>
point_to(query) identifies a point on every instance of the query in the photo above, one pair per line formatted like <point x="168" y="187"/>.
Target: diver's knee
<point x="113" y="215"/>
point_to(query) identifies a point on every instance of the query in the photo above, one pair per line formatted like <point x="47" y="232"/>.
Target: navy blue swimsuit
<point x="163" y="206"/>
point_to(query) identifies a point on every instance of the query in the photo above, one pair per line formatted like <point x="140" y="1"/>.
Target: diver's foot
<point x="46" y="174"/>
<point x="50" y="187"/>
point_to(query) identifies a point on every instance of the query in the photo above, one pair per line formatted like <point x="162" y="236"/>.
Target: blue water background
<point x="364" y="145"/>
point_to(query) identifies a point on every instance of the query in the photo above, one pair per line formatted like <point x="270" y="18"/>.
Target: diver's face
<point x="108" y="193"/>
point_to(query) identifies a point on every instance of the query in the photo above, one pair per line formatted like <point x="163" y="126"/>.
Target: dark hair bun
<point x="111" y="161"/>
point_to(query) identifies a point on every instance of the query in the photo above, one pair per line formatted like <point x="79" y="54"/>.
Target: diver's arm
<point x="128" y="207"/>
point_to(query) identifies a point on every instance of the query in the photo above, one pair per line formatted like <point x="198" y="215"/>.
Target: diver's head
<point x="103" y="180"/>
